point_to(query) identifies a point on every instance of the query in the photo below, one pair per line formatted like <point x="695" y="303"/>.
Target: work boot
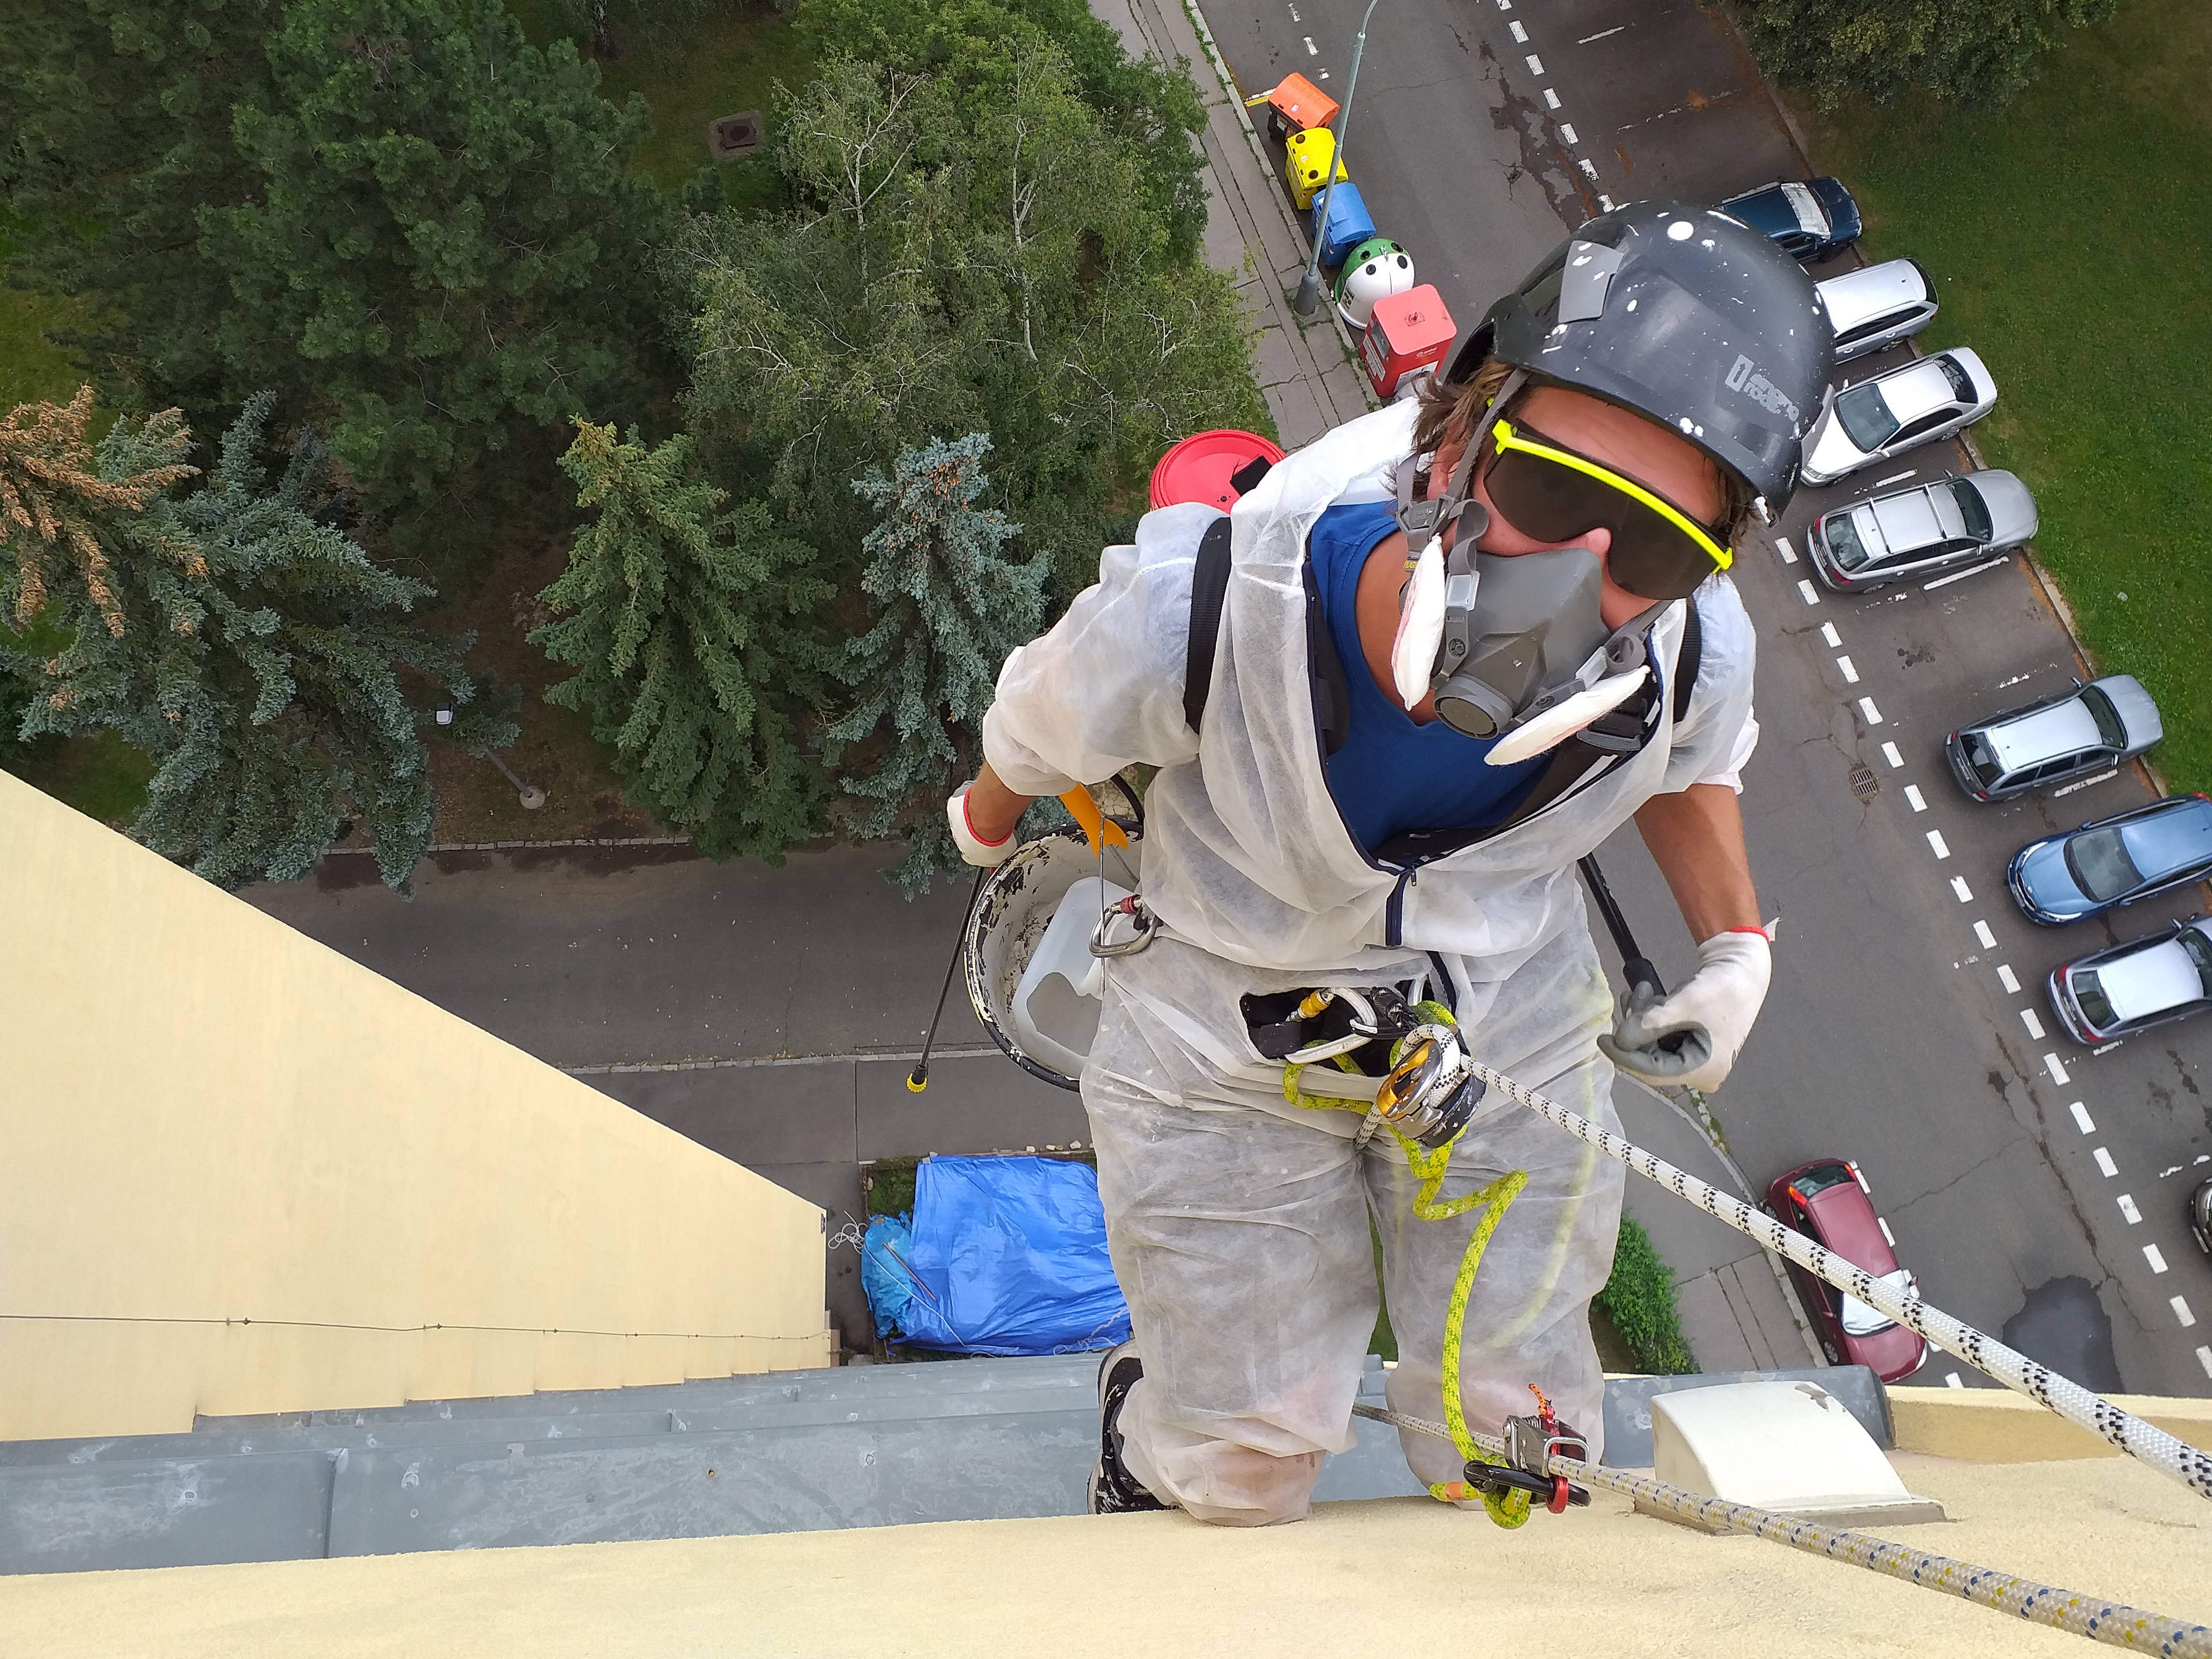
<point x="1114" y="1490"/>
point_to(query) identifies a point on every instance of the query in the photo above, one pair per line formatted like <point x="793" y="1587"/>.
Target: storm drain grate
<point x="1864" y="784"/>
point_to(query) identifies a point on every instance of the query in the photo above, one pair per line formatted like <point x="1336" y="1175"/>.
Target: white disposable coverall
<point x="1237" y="1221"/>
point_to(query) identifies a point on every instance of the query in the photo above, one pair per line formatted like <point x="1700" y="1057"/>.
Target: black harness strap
<point x="1209" y="593"/>
<point x="1689" y="656"/>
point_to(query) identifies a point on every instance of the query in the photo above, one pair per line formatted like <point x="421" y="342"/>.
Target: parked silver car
<point x="1877" y="306"/>
<point x="2091" y="727"/>
<point x="2129" y="988"/>
<point x="1917" y="532"/>
<point x="1897" y="411"/>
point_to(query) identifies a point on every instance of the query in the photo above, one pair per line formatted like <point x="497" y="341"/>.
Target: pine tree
<point x="948" y="607"/>
<point x="695" y="636"/>
<point x="254" y="654"/>
<point x="65" y="515"/>
<point x="117" y="118"/>
<point x="446" y="247"/>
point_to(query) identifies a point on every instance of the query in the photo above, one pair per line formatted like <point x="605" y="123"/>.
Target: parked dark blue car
<point x="2113" y="861"/>
<point x="1810" y="220"/>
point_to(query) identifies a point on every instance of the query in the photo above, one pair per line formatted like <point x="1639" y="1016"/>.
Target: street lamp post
<point x="529" y="795"/>
<point x="1308" y="293"/>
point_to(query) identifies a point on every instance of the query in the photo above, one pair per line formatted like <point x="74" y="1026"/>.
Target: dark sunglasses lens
<point x="1650" y="555"/>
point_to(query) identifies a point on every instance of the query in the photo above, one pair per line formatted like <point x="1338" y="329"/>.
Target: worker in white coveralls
<point x="1443" y="666"/>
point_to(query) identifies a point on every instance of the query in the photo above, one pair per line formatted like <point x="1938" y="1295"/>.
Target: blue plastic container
<point x="1347" y="225"/>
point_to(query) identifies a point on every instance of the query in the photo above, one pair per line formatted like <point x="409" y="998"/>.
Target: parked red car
<point x="1828" y="1201"/>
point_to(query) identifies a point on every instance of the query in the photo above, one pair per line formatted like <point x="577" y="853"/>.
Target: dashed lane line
<point x="1959" y="886"/>
<point x="2105" y="1167"/>
<point x="1889" y="753"/>
<point x="1989" y="940"/>
<point x="2081" y="1117"/>
<point x="1937" y="844"/>
<point x="2128" y="1213"/>
<point x="2006" y="978"/>
<point x="1873" y="714"/>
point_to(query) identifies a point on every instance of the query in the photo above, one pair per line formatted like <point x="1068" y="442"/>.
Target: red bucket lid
<point x="1198" y="468"/>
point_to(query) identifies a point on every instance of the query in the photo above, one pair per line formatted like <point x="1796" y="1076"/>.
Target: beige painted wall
<point x="205" y="1116"/>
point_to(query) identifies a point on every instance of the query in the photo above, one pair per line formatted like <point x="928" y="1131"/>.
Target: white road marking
<point x="2181" y="1311"/>
<point x="1829" y="637"/>
<point x="1889" y="753"/>
<point x="1971" y="570"/>
<point x="1805" y="591"/>
<point x="1873" y="714"/>
<point x="1324" y="75"/>
<point x="1312" y="51"/>
<point x="2085" y="783"/>
<point x="1982" y="932"/>
<point x="1851" y="674"/>
<point x="1895" y="478"/>
<point x="2105" y="1167"/>
<point x="1937" y="844"/>
<point x="2058" y="1072"/>
<point x="1589" y="169"/>
<point x="1604" y="201"/>
<point x="1519" y="33"/>
<point x="2034" y="1025"/>
<point x="1505" y="5"/>
<point x="2204" y="1358"/>
<point x="2014" y="680"/>
<point x="1914" y="799"/>
<point x="1959" y="886"/>
<point x="1600" y="35"/>
<point x="2082" y="1118"/>
<point x="1536" y="65"/>
<point x="2107" y="1048"/>
<point x="1951" y="1379"/>
<point x="2127" y="1211"/>
<point x="2005" y="978"/>
<point x="1885" y="1232"/>
<point x="2157" y="1261"/>
<point x="1551" y="98"/>
<point x="1567" y="132"/>
<point x="1782" y="546"/>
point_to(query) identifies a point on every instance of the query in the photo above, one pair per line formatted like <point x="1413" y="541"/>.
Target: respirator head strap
<point x="1423" y="521"/>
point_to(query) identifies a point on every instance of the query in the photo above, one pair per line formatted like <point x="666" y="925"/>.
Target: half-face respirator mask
<point x="1514" y="647"/>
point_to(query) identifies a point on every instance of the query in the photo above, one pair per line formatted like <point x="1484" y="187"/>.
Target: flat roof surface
<point x="1356" y="1578"/>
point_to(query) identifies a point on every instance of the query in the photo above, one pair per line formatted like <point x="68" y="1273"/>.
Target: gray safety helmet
<point x="1685" y="317"/>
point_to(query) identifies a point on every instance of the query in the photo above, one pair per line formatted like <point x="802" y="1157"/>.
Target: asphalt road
<point x="1894" y="1035"/>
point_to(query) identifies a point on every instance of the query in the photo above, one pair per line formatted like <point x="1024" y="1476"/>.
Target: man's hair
<point x="1453" y="411"/>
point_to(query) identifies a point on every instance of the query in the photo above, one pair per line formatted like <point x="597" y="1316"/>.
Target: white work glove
<point x="973" y="849"/>
<point x="1713" y="1011"/>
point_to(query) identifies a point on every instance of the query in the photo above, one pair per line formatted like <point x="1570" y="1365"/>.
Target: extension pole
<point x="918" y="1079"/>
<point x="1635" y="967"/>
<point x="1309" y="293"/>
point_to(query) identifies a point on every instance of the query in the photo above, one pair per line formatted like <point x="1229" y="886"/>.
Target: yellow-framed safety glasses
<point x="1547" y="491"/>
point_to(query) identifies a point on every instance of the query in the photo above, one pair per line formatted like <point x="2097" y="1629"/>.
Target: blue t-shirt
<point x="1393" y="773"/>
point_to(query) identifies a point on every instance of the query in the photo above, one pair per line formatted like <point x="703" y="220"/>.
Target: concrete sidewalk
<point x="1251" y="231"/>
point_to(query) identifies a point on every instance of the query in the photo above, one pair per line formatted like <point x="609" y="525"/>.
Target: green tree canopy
<point x="975" y="48"/>
<point x="662" y="27"/>
<point x="996" y="267"/>
<point x="695" y="636"/>
<point x="254" y="654"/>
<point x="948" y="606"/>
<point x="445" y="249"/>
<point x="116" y="123"/>
<point x="1973" y="52"/>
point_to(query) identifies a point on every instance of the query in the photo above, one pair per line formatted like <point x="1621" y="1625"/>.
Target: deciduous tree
<point x="948" y="605"/>
<point x="1974" y="52"/>
<point x="694" y="633"/>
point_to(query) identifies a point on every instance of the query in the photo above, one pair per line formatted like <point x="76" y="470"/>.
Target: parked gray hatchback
<point x="2061" y="738"/>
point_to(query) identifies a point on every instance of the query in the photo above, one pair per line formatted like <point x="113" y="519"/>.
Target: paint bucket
<point x="1198" y="469"/>
<point x="1031" y="975"/>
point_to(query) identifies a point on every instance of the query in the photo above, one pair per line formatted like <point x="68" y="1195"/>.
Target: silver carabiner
<point x="1103" y="942"/>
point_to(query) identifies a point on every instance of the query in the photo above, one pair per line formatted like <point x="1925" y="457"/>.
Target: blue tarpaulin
<point x="885" y="1278"/>
<point x="1007" y="1255"/>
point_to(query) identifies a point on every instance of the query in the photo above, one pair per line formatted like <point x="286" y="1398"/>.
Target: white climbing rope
<point x="2143" y="1441"/>
<point x="2091" y="1616"/>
